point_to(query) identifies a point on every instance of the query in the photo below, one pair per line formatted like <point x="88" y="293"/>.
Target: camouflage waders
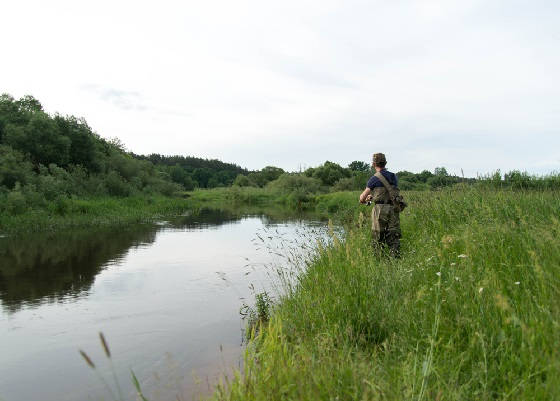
<point x="385" y="222"/>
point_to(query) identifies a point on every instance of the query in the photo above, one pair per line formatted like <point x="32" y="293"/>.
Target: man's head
<point x="379" y="160"/>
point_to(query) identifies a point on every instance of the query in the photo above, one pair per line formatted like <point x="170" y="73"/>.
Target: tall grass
<point x="102" y="211"/>
<point x="470" y="312"/>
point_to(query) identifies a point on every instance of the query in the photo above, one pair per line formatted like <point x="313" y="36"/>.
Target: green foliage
<point x="291" y="183"/>
<point x="61" y="156"/>
<point x="258" y="315"/>
<point x="13" y="167"/>
<point x="470" y="311"/>
<point x="359" y="166"/>
<point x="518" y="180"/>
<point x="15" y="202"/>
<point x="116" y="185"/>
<point x="329" y="173"/>
<point x="264" y="176"/>
<point x="203" y="173"/>
<point x="82" y="141"/>
<point x="242" y="181"/>
<point x="39" y="138"/>
<point x="345" y="184"/>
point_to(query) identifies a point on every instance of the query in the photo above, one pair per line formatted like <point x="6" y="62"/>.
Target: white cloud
<point x="464" y="84"/>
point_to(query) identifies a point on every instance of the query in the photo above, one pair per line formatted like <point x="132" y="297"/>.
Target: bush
<point x="289" y="183"/>
<point x="242" y="181"/>
<point x="116" y="186"/>
<point x="344" y="184"/>
<point x="13" y="167"/>
<point x="61" y="205"/>
<point x="15" y="202"/>
<point x="330" y="172"/>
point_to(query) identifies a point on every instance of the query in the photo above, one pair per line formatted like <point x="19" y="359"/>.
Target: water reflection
<point x="51" y="267"/>
<point x="47" y="268"/>
<point x="156" y="290"/>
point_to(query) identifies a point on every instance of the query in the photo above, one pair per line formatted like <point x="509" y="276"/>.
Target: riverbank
<point x="93" y="212"/>
<point x="65" y="213"/>
<point x="470" y="312"/>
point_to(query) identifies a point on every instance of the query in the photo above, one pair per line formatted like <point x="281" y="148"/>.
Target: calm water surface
<point x="166" y="296"/>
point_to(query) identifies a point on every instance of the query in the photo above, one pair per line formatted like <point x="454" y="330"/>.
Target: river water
<point x="166" y="296"/>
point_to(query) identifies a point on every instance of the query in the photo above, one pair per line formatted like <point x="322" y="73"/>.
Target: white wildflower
<point x="438" y="273"/>
<point x="480" y="290"/>
<point x="517" y="283"/>
<point x="456" y="278"/>
<point x="453" y="264"/>
<point x="462" y="256"/>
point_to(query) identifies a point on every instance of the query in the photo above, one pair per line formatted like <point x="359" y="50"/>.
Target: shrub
<point x="242" y="181"/>
<point x="116" y="186"/>
<point x="288" y="183"/>
<point x="15" y="202"/>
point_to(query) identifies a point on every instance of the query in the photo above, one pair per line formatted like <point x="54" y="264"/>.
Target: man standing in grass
<point x="386" y="227"/>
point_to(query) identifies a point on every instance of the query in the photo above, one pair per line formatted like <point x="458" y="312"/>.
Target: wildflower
<point x="480" y="290"/>
<point x="447" y="240"/>
<point x="453" y="264"/>
<point x="462" y="256"/>
<point x="517" y="283"/>
<point x="456" y="278"/>
<point x="438" y="273"/>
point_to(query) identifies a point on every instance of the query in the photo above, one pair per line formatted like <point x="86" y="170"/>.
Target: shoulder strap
<point x="385" y="183"/>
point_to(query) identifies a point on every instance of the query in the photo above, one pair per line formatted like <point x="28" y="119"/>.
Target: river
<point x="166" y="296"/>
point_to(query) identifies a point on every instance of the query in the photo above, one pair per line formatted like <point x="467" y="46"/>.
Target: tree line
<point x="51" y="157"/>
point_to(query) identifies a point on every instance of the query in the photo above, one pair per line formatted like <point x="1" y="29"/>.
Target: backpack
<point x="396" y="198"/>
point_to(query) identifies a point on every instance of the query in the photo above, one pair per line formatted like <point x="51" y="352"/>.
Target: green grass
<point x="470" y="312"/>
<point x="73" y="213"/>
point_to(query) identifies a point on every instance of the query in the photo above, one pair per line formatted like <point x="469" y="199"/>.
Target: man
<point x="385" y="219"/>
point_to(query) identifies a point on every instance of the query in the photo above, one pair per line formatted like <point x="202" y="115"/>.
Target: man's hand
<point x="365" y="196"/>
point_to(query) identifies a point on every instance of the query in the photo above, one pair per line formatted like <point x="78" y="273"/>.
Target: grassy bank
<point x="73" y="213"/>
<point x="64" y="213"/>
<point x="470" y="312"/>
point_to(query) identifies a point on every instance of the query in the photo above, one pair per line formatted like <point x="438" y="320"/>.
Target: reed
<point x="118" y="395"/>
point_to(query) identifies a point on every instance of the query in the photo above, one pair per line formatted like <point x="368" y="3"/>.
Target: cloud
<point x="122" y="99"/>
<point x="461" y="83"/>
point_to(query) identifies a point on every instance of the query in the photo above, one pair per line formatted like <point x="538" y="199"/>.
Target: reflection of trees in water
<point x="51" y="267"/>
<point x="206" y="217"/>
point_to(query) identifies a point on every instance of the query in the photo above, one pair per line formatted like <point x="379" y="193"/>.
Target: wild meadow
<point x="470" y="312"/>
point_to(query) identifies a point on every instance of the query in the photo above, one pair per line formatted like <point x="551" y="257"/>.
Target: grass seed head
<point x="104" y="345"/>
<point x="87" y="359"/>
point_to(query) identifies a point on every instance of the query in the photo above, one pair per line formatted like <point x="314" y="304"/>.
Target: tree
<point x="29" y="104"/>
<point x="271" y="173"/>
<point x="330" y="172"/>
<point x="441" y="172"/>
<point x="13" y="167"/>
<point x="358" y="166"/>
<point x="242" y="181"/>
<point x="40" y="139"/>
<point x="177" y="174"/>
<point x="82" y="140"/>
<point x="202" y="176"/>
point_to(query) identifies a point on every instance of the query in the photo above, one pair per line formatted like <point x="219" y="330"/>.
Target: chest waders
<point x="385" y="221"/>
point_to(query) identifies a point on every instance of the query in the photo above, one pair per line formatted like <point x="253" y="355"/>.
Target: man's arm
<point x="366" y="195"/>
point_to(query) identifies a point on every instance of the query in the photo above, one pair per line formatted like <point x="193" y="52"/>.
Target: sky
<point x="469" y="85"/>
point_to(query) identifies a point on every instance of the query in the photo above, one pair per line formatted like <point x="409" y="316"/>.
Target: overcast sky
<point x="461" y="84"/>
